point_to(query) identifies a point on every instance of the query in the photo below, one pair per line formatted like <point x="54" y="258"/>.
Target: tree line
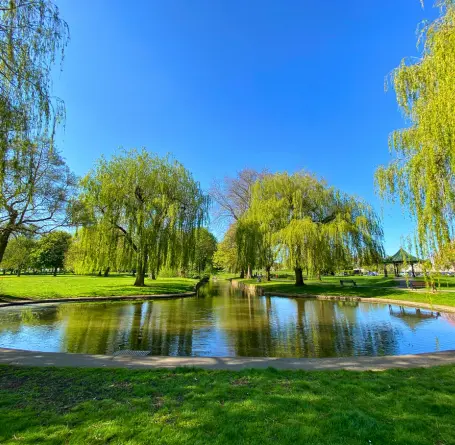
<point x="61" y="251"/>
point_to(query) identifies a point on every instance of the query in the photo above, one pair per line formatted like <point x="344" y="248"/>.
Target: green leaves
<point x="50" y="250"/>
<point x="315" y="227"/>
<point x="153" y="204"/>
<point x="421" y="174"/>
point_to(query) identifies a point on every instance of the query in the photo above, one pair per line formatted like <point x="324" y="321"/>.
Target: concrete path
<point x="30" y="358"/>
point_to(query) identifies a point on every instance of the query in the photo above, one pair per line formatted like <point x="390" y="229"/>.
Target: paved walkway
<point x="30" y="358"/>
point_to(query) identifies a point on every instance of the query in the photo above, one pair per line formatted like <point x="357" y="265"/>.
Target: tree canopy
<point x="316" y="227"/>
<point x="35" y="192"/>
<point x="153" y="203"/>
<point x="226" y="253"/>
<point x="18" y="254"/>
<point x="204" y="250"/>
<point x="421" y="173"/>
<point x="50" y="250"/>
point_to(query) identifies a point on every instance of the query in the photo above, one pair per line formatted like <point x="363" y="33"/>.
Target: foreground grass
<point x="76" y="406"/>
<point x="367" y="287"/>
<point x="47" y="286"/>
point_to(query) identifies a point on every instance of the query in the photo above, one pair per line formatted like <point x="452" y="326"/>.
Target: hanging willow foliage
<point x="421" y="174"/>
<point x="98" y="249"/>
<point x="33" y="37"/>
<point x="153" y="204"/>
<point x="316" y="227"/>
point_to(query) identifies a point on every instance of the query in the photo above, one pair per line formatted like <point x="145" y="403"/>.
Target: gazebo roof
<point x="400" y="257"/>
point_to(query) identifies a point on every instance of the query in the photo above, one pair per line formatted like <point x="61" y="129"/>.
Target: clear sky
<point x="228" y="84"/>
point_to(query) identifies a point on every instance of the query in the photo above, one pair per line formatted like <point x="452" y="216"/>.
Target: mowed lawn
<point x="367" y="287"/>
<point x="100" y="406"/>
<point x="48" y="286"/>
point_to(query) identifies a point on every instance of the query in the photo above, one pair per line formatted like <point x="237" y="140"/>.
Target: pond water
<point x="223" y="322"/>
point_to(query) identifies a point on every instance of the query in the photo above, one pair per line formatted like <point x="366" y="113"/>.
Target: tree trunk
<point x="267" y="272"/>
<point x="55" y="271"/>
<point x="242" y="273"/>
<point x="248" y="275"/>
<point x="412" y="268"/>
<point x="18" y="272"/>
<point x="106" y="272"/>
<point x="153" y="275"/>
<point x="141" y="270"/>
<point x="385" y="271"/>
<point x="319" y="276"/>
<point x="4" y="238"/>
<point x="299" y="276"/>
<point x="140" y="278"/>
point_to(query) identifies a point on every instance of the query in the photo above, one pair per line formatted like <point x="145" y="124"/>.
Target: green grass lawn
<point x="368" y="287"/>
<point x="80" y="406"/>
<point x="47" y="286"/>
<point x="442" y="281"/>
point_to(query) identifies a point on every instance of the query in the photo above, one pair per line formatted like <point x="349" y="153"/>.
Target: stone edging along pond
<point x="95" y="299"/>
<point x="254" y="290"/>
<point x="106" y="298"/>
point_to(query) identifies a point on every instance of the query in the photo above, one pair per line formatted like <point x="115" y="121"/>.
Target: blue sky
<point x="224" y="85"/>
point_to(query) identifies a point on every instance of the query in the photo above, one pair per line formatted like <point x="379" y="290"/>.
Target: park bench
<point x="348" y="281"/>
<point x="420" y="285"/>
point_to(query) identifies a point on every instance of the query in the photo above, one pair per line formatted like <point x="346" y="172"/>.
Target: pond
<point x="223" y="322"/>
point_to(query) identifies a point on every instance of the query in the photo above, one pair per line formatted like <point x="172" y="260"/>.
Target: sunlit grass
<point x="48" y="286"/>
<point x="79" y="406"/>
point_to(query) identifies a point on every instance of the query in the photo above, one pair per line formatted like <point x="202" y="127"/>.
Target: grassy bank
<point x="368" y="287"/>
<point x="61" y="286"/>
<point x="76" y="406"/>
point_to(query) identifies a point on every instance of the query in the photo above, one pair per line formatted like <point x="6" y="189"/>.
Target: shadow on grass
<point x="5" y="298"/>
<point x="77" y="406"/>
<point x="333" y="289"/>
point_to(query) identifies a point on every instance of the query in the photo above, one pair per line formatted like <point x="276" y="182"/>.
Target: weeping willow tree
<point x="98" y="249"/>
<point x="247" y="239"/>
<point x="255" y="242"/>
<point x="316" y="227"/>
<point x="421" y="173"/>
<point x="33" y="37"/>
<point x="152" y="203"/>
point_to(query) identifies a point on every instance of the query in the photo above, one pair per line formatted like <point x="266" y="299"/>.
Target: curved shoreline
<point x="94" y="299"/>
<point x="16" y="357"/>
<point x="416" y="304"/>
<point x="259" y="291"/>
<point x="106" y="298"/>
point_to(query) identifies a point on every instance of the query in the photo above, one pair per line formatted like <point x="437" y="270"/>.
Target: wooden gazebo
<point x="399" y="258"/>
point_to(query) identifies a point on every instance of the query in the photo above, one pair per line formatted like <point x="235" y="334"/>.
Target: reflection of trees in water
<point x="327" y="329"/>
<point x="94" y="328"/>
<point x="162" y="327"/>
<point x="413" y="317"/>
<point x="13" y="320"/>
<point x="340" y="331"/>
<point x="246" y="322"/>
<point x="166" y="329"/>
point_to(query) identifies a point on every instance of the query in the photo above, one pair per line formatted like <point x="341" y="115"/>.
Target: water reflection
<point x="223" y="322"/>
